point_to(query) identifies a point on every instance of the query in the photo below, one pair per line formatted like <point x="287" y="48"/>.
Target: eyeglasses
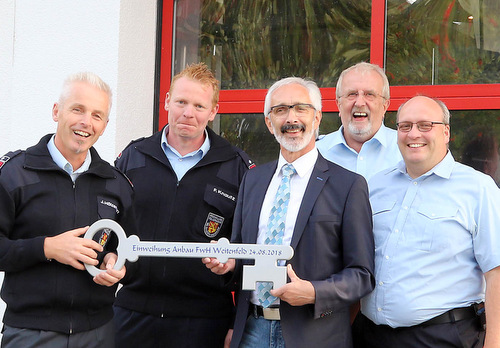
<point x="283" y="110"/>
<point x="367" y="95"/>
<point x="423" y="126"/>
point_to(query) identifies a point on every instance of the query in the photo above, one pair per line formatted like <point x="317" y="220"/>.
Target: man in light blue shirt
<point x="437" y="250"/>
<point x="362" y="144"/>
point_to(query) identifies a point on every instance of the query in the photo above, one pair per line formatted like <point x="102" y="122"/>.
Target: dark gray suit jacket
<point x="333" y="248"/>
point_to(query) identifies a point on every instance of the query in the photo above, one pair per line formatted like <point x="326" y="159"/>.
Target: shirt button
<point x="396" y="230"/>
<point x="415" y="183"/>
<point x="405" y="207"/>
<point x="361" y="158"/>
<point x="379" y="309"/>
<point x="387" y="257"/>
<point x="381" y="283"/>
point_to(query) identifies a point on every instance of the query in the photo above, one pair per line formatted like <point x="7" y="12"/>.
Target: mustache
<point x="295" y="126"/>
<point x="358" y="109"/>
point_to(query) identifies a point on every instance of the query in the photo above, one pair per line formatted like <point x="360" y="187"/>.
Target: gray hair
<point x="364" y="67"/>
<point x="311" y="86"/>
<point x="87" y="77"/>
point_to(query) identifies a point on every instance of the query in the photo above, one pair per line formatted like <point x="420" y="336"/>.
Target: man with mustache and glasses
<point x="437" y="251"/>
<point x="326" y="219"/>
<point x="49" y="196"/>
<point x="363" y="143"/>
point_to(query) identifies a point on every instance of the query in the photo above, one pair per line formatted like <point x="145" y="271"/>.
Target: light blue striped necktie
<point x="276" y="227"/>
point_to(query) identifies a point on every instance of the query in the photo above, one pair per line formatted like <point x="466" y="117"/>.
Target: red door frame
<point x="456" y="97"/>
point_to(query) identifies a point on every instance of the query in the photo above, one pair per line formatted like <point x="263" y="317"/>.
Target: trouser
<point x="464" y="334"/>
<point x="261" y="333"/>
<point x="101" y="337"/>
<point x="136" y="329"/>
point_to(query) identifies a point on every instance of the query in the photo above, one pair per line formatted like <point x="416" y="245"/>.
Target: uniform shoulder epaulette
<point x="244" y="156"/>
<point x="124" y="175"/>
<point x="126" y="147"/>
<point x="8" y="156"/>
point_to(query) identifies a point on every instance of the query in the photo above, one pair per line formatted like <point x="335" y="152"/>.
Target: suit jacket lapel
<point x="319" y="176"/>
<point x="259" y="186"/>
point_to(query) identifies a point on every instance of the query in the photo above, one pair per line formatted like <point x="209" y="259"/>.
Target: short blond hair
<point x="201" y="73"/>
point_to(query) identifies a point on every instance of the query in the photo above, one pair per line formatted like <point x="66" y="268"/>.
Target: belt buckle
<point x="271" y="313"/>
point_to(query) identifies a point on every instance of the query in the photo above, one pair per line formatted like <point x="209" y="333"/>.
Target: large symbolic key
<point x="266" y="257"/>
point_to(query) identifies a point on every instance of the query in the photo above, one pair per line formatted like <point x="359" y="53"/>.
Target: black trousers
<point x="140" y="330"/>
<point x="461" y="334"/>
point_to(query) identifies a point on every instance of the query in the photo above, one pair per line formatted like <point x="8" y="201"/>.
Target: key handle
<point x="115" y="227"/>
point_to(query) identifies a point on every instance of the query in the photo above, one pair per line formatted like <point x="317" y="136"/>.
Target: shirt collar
<point x="62" y="162"/>
<point x="442" y="169"/>
<point x="203" y="148"/>
<point x="383" y="136"/>
<point x="302" y="164"/>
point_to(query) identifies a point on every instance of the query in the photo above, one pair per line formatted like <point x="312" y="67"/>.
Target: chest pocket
<point x="438" y="224"/>
<point x="221" y="203"/>
<point x="107" y="208"/>
<point x="383" y="221"/>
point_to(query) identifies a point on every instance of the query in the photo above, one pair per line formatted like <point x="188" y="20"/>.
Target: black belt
<point x="456" y="314"/>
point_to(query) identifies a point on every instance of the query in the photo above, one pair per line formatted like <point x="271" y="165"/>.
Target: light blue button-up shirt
<point x="435" y="236"/>
<point x="181" y="164"/>
<point x="378" y="153"/>
<point x="63" y="163"/>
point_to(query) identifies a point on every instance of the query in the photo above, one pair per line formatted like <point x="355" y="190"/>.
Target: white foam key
<point x="265" y="269"/>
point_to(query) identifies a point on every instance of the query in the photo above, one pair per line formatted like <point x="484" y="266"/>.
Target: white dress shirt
<point x="303" y="166"/>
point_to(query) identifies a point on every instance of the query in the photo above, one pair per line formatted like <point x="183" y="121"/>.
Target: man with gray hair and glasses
<point x="363" y="144"/>
<point x="437" y="250"/>
<point x="326" y="219"/>
<point x="49" y="195"/>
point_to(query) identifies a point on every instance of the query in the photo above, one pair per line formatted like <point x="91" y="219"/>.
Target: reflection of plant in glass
<point x="437" y="42"/>
<point x="462" y="121"/>
<point x="262" y="41"/>
<point x="249" y="132"/>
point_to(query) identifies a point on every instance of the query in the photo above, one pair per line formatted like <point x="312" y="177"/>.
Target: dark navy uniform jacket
<point x="198" y="208"/>
<point x="37" y="200"/>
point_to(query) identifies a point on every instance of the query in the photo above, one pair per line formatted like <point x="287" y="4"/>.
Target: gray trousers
<point x="102" y="337"/>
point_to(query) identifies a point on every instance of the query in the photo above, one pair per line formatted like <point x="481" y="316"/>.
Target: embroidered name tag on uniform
<point x="224" y="194"/>
<point x="110" y="204"/>
<point x="213" y="224"/>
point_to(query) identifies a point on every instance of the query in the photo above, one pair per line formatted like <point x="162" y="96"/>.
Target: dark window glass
<point x="474" y="141"/>
<point x="443" y="42"/>
<point x="474" y="136"/>
<point x="249" y="132"/>
<point x="252" y="43"/>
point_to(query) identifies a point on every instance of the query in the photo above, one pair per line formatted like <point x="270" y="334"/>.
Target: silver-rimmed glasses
<point x="301" y="109"/>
